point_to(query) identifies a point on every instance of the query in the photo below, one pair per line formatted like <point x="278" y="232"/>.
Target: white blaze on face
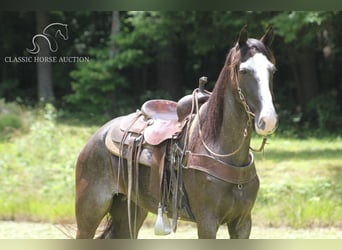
<point x="261" y="69"/>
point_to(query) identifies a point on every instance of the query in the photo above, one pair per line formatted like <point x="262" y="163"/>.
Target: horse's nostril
<point x="262" y="124"/>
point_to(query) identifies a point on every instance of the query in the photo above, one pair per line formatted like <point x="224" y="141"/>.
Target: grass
<point x="300" y="179"/>
<point x="300" y="183"/>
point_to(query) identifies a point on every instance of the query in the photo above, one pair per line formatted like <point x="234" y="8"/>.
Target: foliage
<point x="290" y="25"/>
<point x="326" y="110"/>
<point x="92" y="84"/>
<point x="145" y="38"/>
<point x="114" y="82"/>
<point x="12" y="119"/>
<point x="37" y="169"/>
<point x="96" y="84"/>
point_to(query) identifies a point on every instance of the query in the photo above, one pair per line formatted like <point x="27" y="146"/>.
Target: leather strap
<point x="221" y="170"/>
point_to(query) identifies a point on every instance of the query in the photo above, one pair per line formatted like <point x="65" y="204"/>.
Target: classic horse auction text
<point x="47" y="59"/>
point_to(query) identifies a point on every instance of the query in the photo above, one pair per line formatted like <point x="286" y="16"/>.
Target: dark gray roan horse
<point x="192" y="159"/>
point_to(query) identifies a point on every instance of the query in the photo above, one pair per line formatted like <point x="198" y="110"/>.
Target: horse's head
<point x="63" y="31"/>
<point x="255" y="79"/>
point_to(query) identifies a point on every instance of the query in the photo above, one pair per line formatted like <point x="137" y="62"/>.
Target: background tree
<point x="308" y="46"/>
<point x="44" y="71"/>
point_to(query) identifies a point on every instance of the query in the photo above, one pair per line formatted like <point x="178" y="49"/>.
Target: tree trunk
<point x="114" y="50"/>
<point x="44" y="73"/>
<point x="115" y="31"/>
<point x="308" y="85"/>
<point x="170" y="75"/>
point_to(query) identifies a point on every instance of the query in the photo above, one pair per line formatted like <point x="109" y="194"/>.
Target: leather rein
<point x="250" y="115"/>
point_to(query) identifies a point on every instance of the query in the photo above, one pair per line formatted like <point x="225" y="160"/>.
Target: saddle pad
<point x="150" y="156"/>
<point x="135" y="123"/>
<point x="115" y="134"/>
<point x="114" y="147"/>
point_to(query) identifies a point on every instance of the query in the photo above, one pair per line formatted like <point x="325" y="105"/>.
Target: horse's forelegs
<point x="240" y="228"/>
<point x="207" y="228"/>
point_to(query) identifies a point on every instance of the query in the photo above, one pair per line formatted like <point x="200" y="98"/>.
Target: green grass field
<point x="300" y="183"/>
<point x="300" y="179"/>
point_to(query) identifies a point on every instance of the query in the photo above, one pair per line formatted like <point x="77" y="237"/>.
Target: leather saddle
<point x="155" y="123"/>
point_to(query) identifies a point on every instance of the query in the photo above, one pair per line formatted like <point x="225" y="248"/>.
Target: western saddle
<point x="156" y="122"/>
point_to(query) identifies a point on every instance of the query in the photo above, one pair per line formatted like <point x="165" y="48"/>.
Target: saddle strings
<point x="130" y="159"/>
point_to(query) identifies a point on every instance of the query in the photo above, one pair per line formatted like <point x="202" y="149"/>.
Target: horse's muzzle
<point x="266" y="123"/>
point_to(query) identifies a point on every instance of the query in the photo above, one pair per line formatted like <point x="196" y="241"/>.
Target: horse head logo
<point x="49" y="34"/>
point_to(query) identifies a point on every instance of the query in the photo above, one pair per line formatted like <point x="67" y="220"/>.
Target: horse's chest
<point x="238" y="200"/>
<point x="229" y="200"/>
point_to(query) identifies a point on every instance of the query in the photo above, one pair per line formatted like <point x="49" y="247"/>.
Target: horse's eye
<point x="243" y="71"/>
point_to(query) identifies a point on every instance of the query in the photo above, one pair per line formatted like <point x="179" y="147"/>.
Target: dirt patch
<point x="29" y="230"/>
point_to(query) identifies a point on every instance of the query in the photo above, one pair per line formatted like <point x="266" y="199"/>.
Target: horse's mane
<point x="228" y="78"/>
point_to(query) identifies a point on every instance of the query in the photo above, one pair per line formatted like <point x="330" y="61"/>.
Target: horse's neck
<point x="230" y="135"/>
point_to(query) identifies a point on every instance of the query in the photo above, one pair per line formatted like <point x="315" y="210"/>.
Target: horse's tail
<point x="107" y="231"/>
<point x="36" y="47"/>
<point x="53" y="46"/>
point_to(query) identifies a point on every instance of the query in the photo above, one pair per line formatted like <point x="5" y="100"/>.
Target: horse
<point x="50" y="34"/>
<point x="219" y="183"/>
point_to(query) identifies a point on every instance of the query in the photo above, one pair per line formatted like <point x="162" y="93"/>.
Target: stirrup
<point x="162" y="226"/>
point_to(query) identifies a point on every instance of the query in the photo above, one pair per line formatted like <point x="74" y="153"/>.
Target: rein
<point x="250" y="115"/>
<point x="249" y="122"/>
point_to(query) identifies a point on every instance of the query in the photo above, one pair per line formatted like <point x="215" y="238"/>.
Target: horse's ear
<point x="267" y="39"/>
<point x="243" y="37"/>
